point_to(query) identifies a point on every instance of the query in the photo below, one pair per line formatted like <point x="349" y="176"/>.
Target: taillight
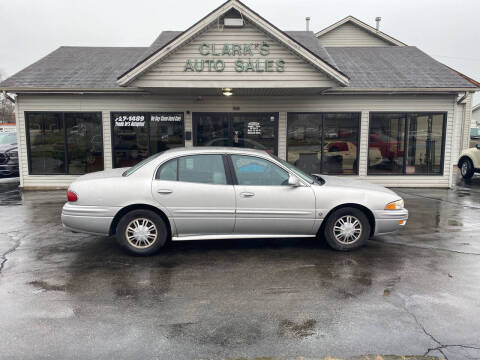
<point x="71" y="196"/>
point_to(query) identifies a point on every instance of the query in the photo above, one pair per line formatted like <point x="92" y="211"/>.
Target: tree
<point x="7" y="107"/>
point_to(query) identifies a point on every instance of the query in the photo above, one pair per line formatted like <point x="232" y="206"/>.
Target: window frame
<point x="65" y="137"/>
<point x="226" y="169"/>
<point x="406" y="115"/>
<point x="147" y="126"/>
<point x="322" y="140"/>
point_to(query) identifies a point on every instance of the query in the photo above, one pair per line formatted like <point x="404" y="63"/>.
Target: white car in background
<point x="469" y="162"/>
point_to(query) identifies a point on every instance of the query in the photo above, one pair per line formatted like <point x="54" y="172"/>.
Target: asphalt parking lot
<point x="65" y="295"/>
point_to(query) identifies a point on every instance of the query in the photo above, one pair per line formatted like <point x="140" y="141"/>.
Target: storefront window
<point x="138" y="135"/>
<point x="323" y="142"/>
<point x="246" y="130"/>
<point x="84" y="142"/>
<point x="406" y="143"/>
<point x="64" y="143"/>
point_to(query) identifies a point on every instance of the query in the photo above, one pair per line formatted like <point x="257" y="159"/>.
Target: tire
<point x="352" y="239"/>
<point x="144" y="243"/>
<point x="466" y="168"/>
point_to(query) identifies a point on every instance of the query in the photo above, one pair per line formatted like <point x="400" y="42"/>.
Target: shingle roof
<point x="77" y="67"/>
<point x="367" y="67"/>
<point x="308" y="40"/>
<point x="163" y="39"/>
<point x="394" y="67"/>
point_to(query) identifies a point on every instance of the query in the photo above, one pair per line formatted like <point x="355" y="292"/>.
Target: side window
<point x="168" y="171"/>
<point x="206" y="169"/>
<point x="256" y="171"/>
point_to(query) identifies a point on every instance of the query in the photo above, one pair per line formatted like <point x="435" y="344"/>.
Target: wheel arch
<point x="462" y="158"/>
<point x="128" y="208"/>
<point x="364" y="209"/>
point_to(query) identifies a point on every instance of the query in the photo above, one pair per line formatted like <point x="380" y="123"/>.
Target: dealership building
<point x="349" y="100"/>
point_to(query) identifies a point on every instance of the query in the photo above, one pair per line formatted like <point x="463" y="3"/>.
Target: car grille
<point x="3" y="159"/>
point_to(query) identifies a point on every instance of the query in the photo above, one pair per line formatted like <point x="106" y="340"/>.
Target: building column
<point x="107" y="140"/>
<point x="282" y="135"/>
<point x="188" y="127"/>
<point x="363" y="153"/>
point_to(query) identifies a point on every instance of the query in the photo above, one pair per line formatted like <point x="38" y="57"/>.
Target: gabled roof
<point x="73" y="67"/>
<point x="394" y="67"/>
<point x="288" y="41"/>
<point x="363" y="26"/>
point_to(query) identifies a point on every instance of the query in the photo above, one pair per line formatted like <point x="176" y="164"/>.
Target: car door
<point x="197" y="193"/>
<point x="265" y="203"/>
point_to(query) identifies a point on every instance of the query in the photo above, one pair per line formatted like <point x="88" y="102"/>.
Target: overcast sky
<point x="445" y="29"/>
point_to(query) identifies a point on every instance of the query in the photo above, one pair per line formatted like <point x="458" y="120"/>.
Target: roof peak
<point x="363" y="25"/>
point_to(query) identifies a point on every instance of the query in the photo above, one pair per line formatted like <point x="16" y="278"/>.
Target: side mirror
<point x="477" y="146"/>
<point x="293" y="181"/>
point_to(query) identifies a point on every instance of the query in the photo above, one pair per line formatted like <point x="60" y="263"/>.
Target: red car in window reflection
<point x="389" y="148"/>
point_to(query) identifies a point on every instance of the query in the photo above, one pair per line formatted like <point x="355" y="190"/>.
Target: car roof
<point x="214" y="149"/>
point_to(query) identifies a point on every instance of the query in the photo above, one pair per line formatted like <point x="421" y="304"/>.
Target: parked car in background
<point x="475" y="133"/>
<point x="469" y="162"/>
<point x="227" y="193"/>
<point x="8" y="154"/>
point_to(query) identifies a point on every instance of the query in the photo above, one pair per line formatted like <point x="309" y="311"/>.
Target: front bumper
<point x="387" y="221"/>
<point x="9" y="169"/>
<point x="88" y="219"/>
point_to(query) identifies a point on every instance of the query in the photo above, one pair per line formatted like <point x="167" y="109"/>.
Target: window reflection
<point x="46" y="143"/>
<point x="84" y="142"/>
<point x="406" y="143"/>
<point x="246" y="130"/>
<point x="138" y="135"/>
<point x="323" y="142"/>
<point x="64" y="143"/>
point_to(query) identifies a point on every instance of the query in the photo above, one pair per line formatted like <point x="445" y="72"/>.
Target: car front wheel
<point x="142" y="232"/>
<point x="347" y="229"/>
<point x="466" y="168"/>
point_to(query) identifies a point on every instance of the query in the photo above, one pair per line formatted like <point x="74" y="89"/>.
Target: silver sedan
<point x="227" y="193"/>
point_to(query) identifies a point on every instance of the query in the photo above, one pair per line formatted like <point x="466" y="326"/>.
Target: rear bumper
<point x="387" y="221"/>
<point x="88" y="219"/>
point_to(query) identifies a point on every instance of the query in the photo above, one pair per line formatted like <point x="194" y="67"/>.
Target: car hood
<point x="7" y="147"/>
<point x="338" y="181"/>
<point x="105" y="174"/>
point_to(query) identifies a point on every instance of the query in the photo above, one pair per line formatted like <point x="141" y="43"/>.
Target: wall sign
<point x="258" y="62"/>
<point x="129" y="120"/>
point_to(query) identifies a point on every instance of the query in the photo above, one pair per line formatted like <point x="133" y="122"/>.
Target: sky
<point x="448" y="30"/>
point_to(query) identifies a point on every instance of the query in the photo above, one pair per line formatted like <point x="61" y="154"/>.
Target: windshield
<point x="8" y="138"/>
<point x="140" y="164"/>
<point x="475" y="132"/>
<point x="297" y="171"/>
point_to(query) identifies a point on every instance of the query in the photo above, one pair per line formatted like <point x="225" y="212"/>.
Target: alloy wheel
<point x="347" y="229"/>
<point x="141" y="233"/>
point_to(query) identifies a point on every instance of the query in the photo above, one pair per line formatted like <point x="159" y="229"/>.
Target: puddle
<point x="10" y="194"/>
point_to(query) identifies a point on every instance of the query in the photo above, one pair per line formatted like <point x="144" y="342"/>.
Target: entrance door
<point x="246" y="130"/>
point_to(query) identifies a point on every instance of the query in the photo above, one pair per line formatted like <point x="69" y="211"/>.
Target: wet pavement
<point x="65" y="295"/>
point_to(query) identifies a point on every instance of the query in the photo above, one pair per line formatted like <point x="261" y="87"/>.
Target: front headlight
<point x="395" y="205"/>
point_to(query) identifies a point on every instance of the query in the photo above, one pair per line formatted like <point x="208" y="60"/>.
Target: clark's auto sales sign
<point x="214" y="55"/>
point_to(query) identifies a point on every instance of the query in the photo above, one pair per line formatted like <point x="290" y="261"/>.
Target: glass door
<point x="245" y="130"/>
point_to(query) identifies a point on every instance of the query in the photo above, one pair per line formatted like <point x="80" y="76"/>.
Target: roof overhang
<point x="363" y="26"/>
<point x="137" y="70"/>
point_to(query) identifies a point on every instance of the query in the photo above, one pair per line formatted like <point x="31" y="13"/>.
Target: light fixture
<point x="227" y="92"/>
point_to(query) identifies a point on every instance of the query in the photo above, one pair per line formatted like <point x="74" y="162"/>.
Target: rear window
<point x="140" y="164"/>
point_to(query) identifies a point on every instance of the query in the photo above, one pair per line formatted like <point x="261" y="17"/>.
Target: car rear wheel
<point x="466" y="168"/>
<point x="347" y="229"/>
<point x="141" y="232"/>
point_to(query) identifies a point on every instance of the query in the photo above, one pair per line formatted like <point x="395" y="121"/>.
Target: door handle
<point x="164" y="191"/>
<point x="247" y="194"/>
